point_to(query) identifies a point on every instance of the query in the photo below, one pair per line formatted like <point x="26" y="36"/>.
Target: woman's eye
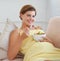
<point x="29" y="15"/>
<point x="34" y="16"/>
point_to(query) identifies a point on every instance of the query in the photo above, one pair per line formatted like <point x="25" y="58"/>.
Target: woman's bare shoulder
<point x="13" y="36"/>
<point x="14" y="32"/>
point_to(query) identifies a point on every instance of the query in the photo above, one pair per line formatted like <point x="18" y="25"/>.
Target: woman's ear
<point x="20" y="16"/>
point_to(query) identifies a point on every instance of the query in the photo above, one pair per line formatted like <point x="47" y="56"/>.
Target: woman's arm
<point x="15" y="41"/>
<point x="46" y="39"/>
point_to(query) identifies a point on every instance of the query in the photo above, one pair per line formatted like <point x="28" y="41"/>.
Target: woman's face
<point x="28" y="18"/>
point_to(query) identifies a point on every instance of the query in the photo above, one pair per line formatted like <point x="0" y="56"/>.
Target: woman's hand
<point x="36" y="27"/>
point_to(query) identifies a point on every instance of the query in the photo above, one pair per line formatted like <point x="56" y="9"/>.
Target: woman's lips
<point x="30" y="21"/>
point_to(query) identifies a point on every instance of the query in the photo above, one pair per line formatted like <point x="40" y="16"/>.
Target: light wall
<point x="53" y="8"/>
<point x="45" y="10"/>
<point x="10" y="9"/>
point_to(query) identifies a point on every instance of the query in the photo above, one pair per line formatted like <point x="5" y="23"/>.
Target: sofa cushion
<point x="53" y="31"/>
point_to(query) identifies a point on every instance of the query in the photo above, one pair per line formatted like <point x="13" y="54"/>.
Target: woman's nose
<point x="32" y="19"/>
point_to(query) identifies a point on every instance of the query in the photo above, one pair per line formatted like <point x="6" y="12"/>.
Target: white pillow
<point x="4" y="38"/>
<point x="3" y="53"/>
<point x="2" y="25"/>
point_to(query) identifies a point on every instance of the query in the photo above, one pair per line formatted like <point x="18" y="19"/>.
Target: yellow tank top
<point x="28" y="42"/>
<point x="32" y="48"/>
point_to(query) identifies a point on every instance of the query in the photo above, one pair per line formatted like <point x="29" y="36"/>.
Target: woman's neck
<point x="24" y="26"/>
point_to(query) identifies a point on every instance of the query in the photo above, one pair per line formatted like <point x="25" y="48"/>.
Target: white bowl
<point x="39" y="37"/>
